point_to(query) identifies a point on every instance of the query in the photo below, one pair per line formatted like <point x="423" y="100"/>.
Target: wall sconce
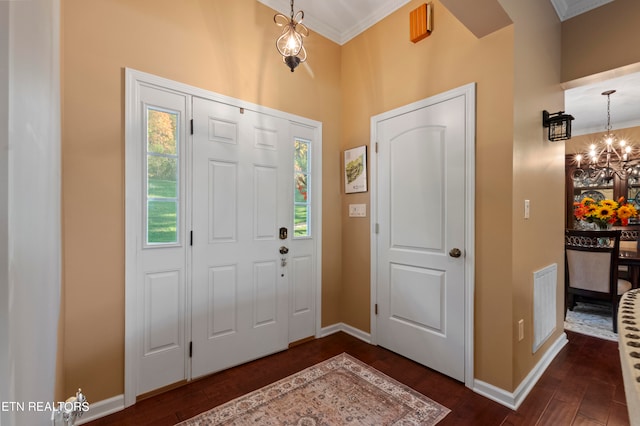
<point x="289" y="43"/>
<point x="559" y="125"/>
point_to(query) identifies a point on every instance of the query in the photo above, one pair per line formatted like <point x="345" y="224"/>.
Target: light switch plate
<point x="357" y="210"/>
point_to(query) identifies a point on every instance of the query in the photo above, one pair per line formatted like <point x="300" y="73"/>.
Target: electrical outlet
<point x="520" y="330"/>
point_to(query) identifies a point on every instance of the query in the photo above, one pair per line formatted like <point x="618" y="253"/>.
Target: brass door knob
<point x="455" y="252"/>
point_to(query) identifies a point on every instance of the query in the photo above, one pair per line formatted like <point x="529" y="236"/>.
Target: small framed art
<point x="355" y="170"/>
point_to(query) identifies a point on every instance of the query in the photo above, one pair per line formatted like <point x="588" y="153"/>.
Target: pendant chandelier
<point x="611" y="157"/>
<point x="289" y="43"/>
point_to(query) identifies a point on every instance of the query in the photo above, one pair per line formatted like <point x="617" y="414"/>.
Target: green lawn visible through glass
<point x="162" y="222"/>
<point x="162" y="215"/>
<point x="159" y="188"/>
<point x="300" y="228"/>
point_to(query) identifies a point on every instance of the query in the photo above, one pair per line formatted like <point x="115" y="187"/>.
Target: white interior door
<point x="242" y="186"/>
<point x="420" y="242"/>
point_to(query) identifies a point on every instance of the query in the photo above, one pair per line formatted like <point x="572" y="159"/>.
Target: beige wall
<point x="227" y="47"/>
<point x="220" y="45"/>
<point x="580" y="144"/>
<point x="538" y="173"/>
<point x="382" y="70"/>
<point x="603" y="39"/>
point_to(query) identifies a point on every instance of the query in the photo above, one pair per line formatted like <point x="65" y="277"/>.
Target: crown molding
<point x="385" y="9"/>
<point x="343" y="31"/>
<point x="567" y="9"/>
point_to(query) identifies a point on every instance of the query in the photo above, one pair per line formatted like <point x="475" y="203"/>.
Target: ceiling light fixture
<point x="289" y="43"/>
<point x="607" y="160"/>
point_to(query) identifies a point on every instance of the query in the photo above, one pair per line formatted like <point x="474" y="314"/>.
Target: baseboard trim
<point x="355" y="332"/>
<point x="102" y="408"/>
<point x="513" y="400"/>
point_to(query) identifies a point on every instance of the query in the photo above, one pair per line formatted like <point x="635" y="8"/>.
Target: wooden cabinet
<point x="628" y="188"/>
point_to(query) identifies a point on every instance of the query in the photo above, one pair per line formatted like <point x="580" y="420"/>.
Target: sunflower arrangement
<point x="605" y="212"/>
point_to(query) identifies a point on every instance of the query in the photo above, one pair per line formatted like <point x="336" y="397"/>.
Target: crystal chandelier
<point x="289" y="43"/>
<point x="601" y="163"/>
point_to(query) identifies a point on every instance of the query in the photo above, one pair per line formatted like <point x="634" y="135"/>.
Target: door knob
<point x="284" y="250"/>
<point x="455" y="252"/>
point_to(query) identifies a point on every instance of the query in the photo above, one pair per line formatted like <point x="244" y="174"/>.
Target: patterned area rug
<point x="341" y="390"/>
<point x="590" y="319"/>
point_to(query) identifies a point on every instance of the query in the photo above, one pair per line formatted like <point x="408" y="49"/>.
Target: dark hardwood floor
<point x="582" y="386"/>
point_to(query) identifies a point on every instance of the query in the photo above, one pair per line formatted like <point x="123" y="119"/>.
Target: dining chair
<point x="629" y="240"/>
<point x="591" y="269"/>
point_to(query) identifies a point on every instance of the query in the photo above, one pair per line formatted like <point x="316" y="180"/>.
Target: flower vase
<point x="604" y="241"/>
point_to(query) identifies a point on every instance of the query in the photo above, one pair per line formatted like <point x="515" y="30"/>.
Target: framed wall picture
<point x="355" y="170"/>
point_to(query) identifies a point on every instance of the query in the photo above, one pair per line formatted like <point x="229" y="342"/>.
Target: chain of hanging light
<point x="601" y="163"/>
<point x="289" y="43"/>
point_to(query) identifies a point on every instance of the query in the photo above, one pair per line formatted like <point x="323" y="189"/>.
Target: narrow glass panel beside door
<point x="302" y="198"/>
<point x="162" y="194"/>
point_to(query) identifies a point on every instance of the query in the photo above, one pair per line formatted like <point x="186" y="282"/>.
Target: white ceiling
<point x="588" y="105"/>
<point x="341" y="20"/>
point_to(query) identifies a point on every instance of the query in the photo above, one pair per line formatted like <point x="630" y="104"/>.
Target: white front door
<point x="211" y="191"/>
<point x="420" y="212"/>
<point x="242" y="187"/>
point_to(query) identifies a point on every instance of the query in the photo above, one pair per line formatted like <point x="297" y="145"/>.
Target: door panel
<point x="302" y="255"/>
<point x="162" y="313"/>
<point x="223" y="200"/>
<point x="222" y="301"/>
<point x="265" y="182"/>
<point x="241" y="197"/>
<point x="302" y="293"/>
<point x="160" y="270"/>
<point x="416" y="161"/>
<point x="416" y="297"/>
<point x="421" y="214"/>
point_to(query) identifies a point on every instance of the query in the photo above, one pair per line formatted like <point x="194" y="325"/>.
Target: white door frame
<point x="469" y="92"/>
<point x="133" y="79"/>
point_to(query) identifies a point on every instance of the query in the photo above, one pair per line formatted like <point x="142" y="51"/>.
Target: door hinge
<point x="376" y="147"/>
<point x="376" y="309"/>
<point x="191" y="238"/>
<point x="190" y="349"/>
<point x="192" y="126"/>
<point x="377" y="228"/>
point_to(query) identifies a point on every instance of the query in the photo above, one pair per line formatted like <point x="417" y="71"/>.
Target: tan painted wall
<point x="383" y="70"/>
<point x="600" y="40"/>
<point x="517" y="76"/>
<point x="580" y="144"/>
<point x="227" y="47"/>
<point x="220" y="45"/>
<point x="538" y="172"/>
